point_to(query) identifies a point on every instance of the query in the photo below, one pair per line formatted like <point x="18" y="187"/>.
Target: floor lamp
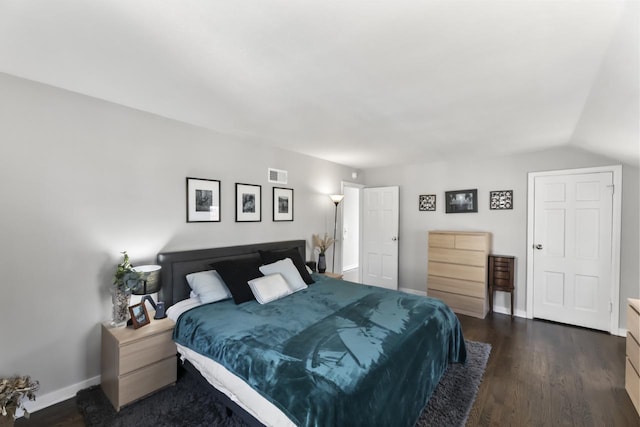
<point x="336" y="199"/>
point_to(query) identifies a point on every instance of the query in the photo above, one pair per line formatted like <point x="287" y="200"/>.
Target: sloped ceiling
<point x="362" y="83"/>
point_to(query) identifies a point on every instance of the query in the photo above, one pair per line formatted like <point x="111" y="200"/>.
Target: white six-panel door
<point x="572" y="249"/>
<point x="380" y="237"/>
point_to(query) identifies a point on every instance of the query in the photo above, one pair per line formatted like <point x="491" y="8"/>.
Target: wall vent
<point x="277" y="176"/>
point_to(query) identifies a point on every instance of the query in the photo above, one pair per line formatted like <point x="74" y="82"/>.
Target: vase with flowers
<point x="12" y="393"/>
<point x="125" y="280"/>
<point x="322" y="245"/>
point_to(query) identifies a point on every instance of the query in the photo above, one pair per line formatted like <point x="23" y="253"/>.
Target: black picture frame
<point x="248" y="202"/>
<point x="461" y="201"/>
<point x="282" y="204"/>
<point x="501" y="200"/>
<point x="203" y="200"/>
<point x="427" y="202"/>
<point x="139" y="315"/>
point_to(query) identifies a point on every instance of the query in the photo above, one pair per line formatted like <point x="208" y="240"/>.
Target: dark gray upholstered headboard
<point x="176" y="265"/>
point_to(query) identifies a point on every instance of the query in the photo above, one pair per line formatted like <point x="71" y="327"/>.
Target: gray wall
<point x="84" y="179"/>
<point x="509" y="227"/>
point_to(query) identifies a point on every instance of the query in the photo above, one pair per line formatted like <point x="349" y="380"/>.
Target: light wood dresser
<point x="137" y="362"/>
<point x="458" y="270"/>
<point x="632" y="369"/>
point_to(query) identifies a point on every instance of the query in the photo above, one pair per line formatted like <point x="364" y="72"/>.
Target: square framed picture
<point x="461" y="201"/>
<point x="282" y="204"/>
<point x="248" y="203"/>
<point x="139" y="315"/>
<point x="203" y="200"/>
<point x="502" y="199"/>
<point x="427" y="202"/>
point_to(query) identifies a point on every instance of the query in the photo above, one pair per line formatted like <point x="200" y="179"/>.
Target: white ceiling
<point x="362" y="83"/>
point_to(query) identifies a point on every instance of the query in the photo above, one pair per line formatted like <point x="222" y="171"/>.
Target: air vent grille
<point x="277" y="176"/>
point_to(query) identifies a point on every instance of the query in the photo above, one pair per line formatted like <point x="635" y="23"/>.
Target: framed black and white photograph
<point x="139" y="315"/>
<point x="203" y="200"/>
<point x="427" y="202"/>
<point x="461" y="201"/>
<point x="502" y="199"/>
<point x="248" y="203"/>
<point x="282" y="204"/>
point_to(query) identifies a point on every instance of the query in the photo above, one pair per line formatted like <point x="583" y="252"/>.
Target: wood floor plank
<point x="539" y="374"/>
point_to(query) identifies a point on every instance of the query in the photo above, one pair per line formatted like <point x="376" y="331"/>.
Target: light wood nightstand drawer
<point x="146" y="351"/>
<point x="144" y="381"/>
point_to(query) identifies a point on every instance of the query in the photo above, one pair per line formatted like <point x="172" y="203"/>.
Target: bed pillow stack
<point x="237" y="274"/>
<point x="269" y="257"/>
<point x="208" y="286"/>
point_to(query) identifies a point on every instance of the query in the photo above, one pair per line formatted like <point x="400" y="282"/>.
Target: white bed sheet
<point x="222" y="379"/>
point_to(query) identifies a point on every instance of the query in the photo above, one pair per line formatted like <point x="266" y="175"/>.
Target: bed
<point x="333" y="353"/>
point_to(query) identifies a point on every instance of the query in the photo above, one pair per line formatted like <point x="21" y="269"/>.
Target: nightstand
<point x="137" y="362"/>
<point x="332" y="275"/>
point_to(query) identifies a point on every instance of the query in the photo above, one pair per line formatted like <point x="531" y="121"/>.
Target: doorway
<point x="573" y="255"/>
<point x="351" y="237"/>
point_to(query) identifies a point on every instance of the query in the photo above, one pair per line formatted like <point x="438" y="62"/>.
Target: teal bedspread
<point x="334" y="354"/>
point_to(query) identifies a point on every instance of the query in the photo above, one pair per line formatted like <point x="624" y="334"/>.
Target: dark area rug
<point x="189" y="402"/>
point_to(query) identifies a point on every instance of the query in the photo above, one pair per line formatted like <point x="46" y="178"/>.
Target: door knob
<point x="394" y="238"/>
<point x="538" y="246"/>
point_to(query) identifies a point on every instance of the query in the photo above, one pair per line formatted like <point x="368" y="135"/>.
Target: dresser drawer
<point x="471" y="243"/>
<point x="458" y="256"/>
<point x="139" y="383"/>
<point x="144" y="352"/>
<point x="457" y="271"/>
<point x="461" y="303"/>
<point x="456" y="286"/>
<point x="633" y="352"/>
<point x="437" y="240"/>
<point x="632" y="384"/>
<point x="633" y="322"/>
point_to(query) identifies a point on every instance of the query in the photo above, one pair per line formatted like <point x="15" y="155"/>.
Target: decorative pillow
<point x="288" y="271"/>
<point x="236" y="275"/>
<point x="269" y="257"/>
<point x="269" y="288"/>
<point x="208" y="286"/>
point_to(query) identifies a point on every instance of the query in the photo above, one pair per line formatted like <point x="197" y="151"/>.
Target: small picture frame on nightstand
<point x="139" y="315"/>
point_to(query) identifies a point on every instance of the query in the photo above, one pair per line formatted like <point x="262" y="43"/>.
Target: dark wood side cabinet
<point x="501" y="276"/>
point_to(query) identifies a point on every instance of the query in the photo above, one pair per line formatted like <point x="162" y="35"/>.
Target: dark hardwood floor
<point x="539" y="374"/>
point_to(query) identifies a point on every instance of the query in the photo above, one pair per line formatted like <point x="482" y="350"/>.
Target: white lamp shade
<point x="336" y="198"/>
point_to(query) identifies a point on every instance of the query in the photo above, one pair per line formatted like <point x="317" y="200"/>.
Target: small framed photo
<point x="499" y="200"/>
<point x="203" y="200"/>
<point x="461" y="201"/>
<point x="282" y="204"/>
<point x="427" y="202"/>
<point x="139" y="315"/>
<point x="248" y="203"/>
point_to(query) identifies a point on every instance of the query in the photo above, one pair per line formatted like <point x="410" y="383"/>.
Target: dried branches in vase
<point x="322" y="244"/>
<point x="12" y="392"/>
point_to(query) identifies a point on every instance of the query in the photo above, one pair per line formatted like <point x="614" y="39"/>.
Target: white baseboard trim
<point x="622" y="332"/>
<point x="507" y="310"/>
<point x="57" y="396"/>
<point x="413" y="291"/>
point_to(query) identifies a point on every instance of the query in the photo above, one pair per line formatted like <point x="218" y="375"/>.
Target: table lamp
<point x="149" y="284"/>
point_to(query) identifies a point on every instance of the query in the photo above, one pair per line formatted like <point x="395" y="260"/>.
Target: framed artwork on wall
<point x="427" y="202"/>
<point x="502" y="199"/>
<point x="203" y="200"/>
<point x="248" y="203"/>
<point x="282" y="204"/>
<point x="461" y="201"/>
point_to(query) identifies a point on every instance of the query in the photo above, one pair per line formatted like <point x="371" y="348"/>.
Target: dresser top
<point x="471" y="233"/>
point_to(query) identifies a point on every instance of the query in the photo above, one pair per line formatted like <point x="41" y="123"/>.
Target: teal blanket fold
<point x="334" y="354"/>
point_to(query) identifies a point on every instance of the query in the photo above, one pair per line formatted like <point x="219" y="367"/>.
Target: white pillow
<point x="287" y="268"/>
<point x="209" y="286"/>
<point x="269" y="288"/>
